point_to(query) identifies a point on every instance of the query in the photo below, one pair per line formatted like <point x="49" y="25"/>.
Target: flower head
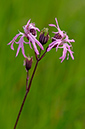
<point x="30" y="28"/>
<point x="61" y="40"/>
<point x="30" y="32"/>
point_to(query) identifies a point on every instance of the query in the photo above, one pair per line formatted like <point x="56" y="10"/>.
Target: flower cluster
<point x="60" y="40"/>
<point x="31" y="34"/>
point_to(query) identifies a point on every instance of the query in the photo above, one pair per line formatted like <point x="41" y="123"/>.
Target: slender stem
<point x="20" y="110"/>
<point x="27" y="80"/>
<point x="32" y="76"/>
<point x="27" y="91"/>
<point x="40" y="52"/>
<point x="43" y="54"/>
<point x="36" y="56"/>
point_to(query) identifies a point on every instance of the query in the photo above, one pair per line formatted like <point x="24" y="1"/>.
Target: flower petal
<point x="23" y="50"/>
<point x="51" y="46"/>
<point x="64" y="52"/>
<point x="18" y="50"/>
<point x="20" y="42"/>
<point x="39" y="44"/>
<point x="56" y="22"/>
<point x="52" y="43"/>
<point x="37" y="29"/>
<point x="30" y="44"/>
<point x="68" y="40"/>
<point x="71" y="53"/>
<point x="52" y="25"/>
<point x="9" y="43"/>
<point x="64" y="55"/>
<point x="12" y="46"/>
<point x="35" y="48"/>
<point x="13" y="40"/>
<point x="32" y="38"/>
<point x="28" y="22"/>
<point x="33" y="42"/>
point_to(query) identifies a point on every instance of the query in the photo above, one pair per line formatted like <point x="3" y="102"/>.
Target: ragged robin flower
<point x="61" y="40"/>
<point x="30" y="33"/>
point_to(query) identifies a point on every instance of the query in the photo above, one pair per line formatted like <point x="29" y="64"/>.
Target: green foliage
<point x="57" y="96"/>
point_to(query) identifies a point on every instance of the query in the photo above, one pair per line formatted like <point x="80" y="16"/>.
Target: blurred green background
<point x="57" y="96"/>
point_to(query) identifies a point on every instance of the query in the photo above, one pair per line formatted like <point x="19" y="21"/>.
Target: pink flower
<point x="61" y="40"/>
<point x="31" y="34"/>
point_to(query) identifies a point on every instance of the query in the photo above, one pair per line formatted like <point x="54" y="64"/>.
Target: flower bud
<point x="43" y="38"/>
<point x="28" y="63"/>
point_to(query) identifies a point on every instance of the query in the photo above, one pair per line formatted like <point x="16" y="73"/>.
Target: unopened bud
<point x="44" y="36"/>
<point x="28" y="63"/>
